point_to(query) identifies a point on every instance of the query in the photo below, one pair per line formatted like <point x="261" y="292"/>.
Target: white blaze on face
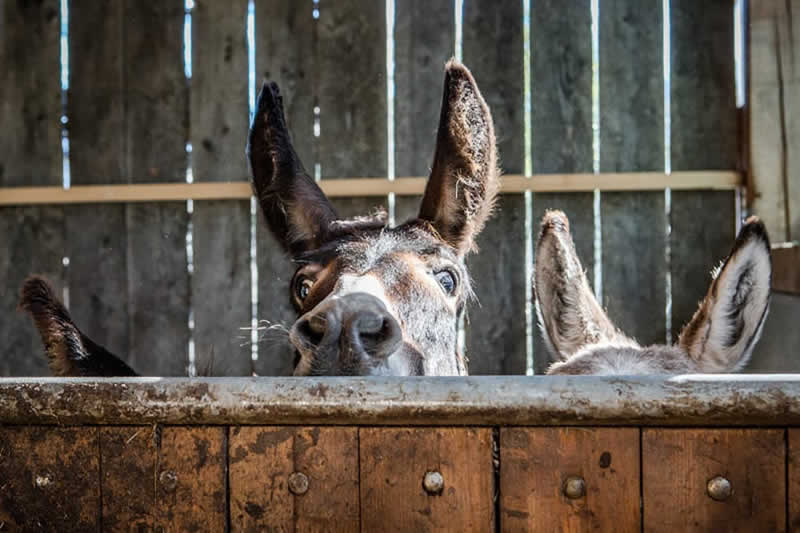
<point x="368" y="283"/>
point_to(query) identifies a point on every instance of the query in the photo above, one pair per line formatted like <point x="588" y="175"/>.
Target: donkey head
<point x="372" y="299"/>
<point x="719" y="338"/>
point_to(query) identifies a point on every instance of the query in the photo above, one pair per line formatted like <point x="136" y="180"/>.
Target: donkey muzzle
<point x="347" y="335"/>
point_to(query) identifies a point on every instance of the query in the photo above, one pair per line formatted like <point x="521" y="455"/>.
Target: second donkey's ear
<point x="464" y="179"/>
<point x="296" y="210"/>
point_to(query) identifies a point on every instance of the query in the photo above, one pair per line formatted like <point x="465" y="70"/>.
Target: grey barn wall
<point x="132" y="111"/>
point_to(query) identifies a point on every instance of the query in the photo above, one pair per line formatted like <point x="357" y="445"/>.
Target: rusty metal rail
<point x="696" y="400"/>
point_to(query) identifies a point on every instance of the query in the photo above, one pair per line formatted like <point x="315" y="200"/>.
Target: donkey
<point x="371" y="299"/>
<point x="582" y="339"/>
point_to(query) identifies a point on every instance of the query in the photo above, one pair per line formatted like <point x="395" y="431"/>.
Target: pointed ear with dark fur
<point x="569" y="316"/>
<point x="296" y="210"/>
<point x="464" y="179"/>
<point x="70" y="352"/>
<point x="728" y="322"/>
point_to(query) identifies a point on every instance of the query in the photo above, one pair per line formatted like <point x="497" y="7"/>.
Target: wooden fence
<point x="476" y="454"/>
<point x="564" y="103"/>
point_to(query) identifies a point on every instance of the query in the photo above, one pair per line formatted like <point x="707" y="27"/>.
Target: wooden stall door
<point x="536" y="464"/>
<point x="677" y="465"/>
<point x="394" y="462"/>
<point x="294" y="479"/>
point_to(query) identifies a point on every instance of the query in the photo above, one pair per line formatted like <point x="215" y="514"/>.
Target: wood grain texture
<point x="634" y="230"/>
<point x="164" y="478"/>
<point x="352" y="142"/>
<point x="155" y="138"/>
<point x="286" y="52"/>
<point x="424" y="39"/>
<point x="561" y="105"/>
<point x="394" y="462"/>
<point x="786" y="269"/>
<point x="535" y="463"/>
<point x="220" y="282"/>
<point x="328" y="457"/>
<point x="49" y="479"/>
<point x="97" y="245"/>
<point x="705" y="135"/>
<point x="495" y="325"/>
<point x="793" y="465"/>
<point x="32" y="238"/>
<point x="678" y="463"/>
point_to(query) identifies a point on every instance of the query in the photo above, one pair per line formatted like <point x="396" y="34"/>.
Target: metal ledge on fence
<point x="692" y="400"/>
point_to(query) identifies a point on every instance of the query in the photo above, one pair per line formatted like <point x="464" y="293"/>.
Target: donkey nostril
<point x="312" y="331"/>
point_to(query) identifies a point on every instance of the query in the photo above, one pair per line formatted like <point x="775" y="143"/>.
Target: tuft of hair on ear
<point x="721" y="335"/>
<point x="465" y="179"/>
<point x="570" y="318"/>
<point x="69" y="352"/>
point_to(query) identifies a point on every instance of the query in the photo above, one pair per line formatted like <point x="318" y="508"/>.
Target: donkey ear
<point x="569" y="316"/>
<point x="296" y="210"/>
<point x="728" y="322"/>
<point x="464" y="179"/>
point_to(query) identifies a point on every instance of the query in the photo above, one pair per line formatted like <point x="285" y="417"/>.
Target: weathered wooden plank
<point x="97" y="245"/>
<point x="634" y="232"/>
<point x="793" y="488"/>
<point x="535" y="464"/>
<point x="352" y="142"/>
<point x="495" y="328"/>
<point x="392" y="495"/>
<point x="220" y="282"/>
<point x="677" y="465"/>
<point x="786" y="269"/>
<point x="31" y="237"/>
<point x="49" y="479"/>
<point x="274" y="500"/>
<point x="155" y="139"/>
<point x="424" y="38"/>
<point x="705" y="135"/>
<point x="163" y="478"/>
<point x="285" y="53"/>
<point x="561" y="105"/>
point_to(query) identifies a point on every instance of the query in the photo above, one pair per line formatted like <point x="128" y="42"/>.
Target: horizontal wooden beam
<point x="688" y="400"/>
<point x="240" y="190"/>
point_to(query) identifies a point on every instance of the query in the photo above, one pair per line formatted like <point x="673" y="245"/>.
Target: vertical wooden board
<point x="634" y="263"/>
<point x="220" y="282"/>
<point x="328" y="457"/>
<point x="49" y="479"/>
<point x="352" y="96"/>
<point x="155" y="140"/>
<point x="678" y="463"/>
<point x="536" y="462"/>
<point x="634" y="228"/>
<point x="705" y="135"/>
<point x="394" y="495"/>
<point x="791" y="92"/>
<point x="424" y="38"/>
<point x="129" y="481"/>
<point x="766" y="101"/>
<point x="285" y="33"/>
<point x="192" y="478"/>
<point x="561" y="106"/>
<point x="495" y="328"/>
<point x="32" y="237"/>
<point x="793" y="488"/>
<point x="97" y="245"/>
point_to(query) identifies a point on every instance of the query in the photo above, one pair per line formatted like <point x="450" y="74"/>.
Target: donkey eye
<point x="303" y="288"/>
<point x="447" y="281"/>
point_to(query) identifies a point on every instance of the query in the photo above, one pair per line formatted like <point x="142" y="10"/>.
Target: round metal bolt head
<point x="719" y="488"/>
<point x="433" y="482"/>
<point x="574" y="487"/>
<point x="298" y="483"/>
<point x="169" y="480"/>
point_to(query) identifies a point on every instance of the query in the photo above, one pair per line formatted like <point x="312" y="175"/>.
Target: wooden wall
<point x="325" y="478"/>
<point x="131" y="111"/>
